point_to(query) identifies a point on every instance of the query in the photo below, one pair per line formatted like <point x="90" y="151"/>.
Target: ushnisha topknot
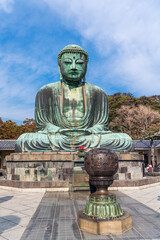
<point x="72" y="49"/>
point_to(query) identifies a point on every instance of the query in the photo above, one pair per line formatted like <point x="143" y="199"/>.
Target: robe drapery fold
<point x="49" y="108"/>
<point x="57" y="132"/>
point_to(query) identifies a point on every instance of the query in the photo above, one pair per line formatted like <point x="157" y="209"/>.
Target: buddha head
<point x="72" y="62"/>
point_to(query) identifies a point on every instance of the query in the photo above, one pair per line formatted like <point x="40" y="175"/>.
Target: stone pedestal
<point x="117" y="226"/>
<point x="130" y="166"/>
<point x="41" y="166"/>
<point x="51" y="168"/>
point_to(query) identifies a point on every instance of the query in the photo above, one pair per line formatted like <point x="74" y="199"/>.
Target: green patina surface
<point x="80" y="179"/>
<point x="103" y="207"/>
<point x="72" y="112"/>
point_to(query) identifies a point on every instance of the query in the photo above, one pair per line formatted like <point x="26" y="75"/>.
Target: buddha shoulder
<point x="94" y="88"/>
<point x="50" y="86"/>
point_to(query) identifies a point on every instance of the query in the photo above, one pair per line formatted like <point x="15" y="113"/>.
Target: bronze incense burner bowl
<point x="101" y="164"/>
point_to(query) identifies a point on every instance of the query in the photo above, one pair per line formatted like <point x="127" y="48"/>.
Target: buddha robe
<point x="67" y="117"/>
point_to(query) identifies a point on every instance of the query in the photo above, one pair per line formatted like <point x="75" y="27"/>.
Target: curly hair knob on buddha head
<point x="72" y="48"/>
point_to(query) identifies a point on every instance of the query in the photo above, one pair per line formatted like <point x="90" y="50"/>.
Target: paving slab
<point x="56" y="218"/>
<point x="149" y="196"/>
<point x="29" y="215"/>
<point x="13" y="212"/>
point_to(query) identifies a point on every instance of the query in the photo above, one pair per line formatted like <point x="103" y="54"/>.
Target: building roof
<point x="7" y="144"/>
<point x="138" y="144"/>
<point x="141" y="144"/>
<point x="158" y="145"/>
<point x="145" y="144"/>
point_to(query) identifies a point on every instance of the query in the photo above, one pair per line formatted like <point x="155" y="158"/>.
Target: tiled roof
<point x="138" y="144"/>
<point x="141" y="144"/>
<point x="158" y="145"/>
<point x="7" y="144"/>
<point x="145" y="144"/>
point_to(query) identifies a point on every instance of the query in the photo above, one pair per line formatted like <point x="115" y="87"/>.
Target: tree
<point x="29" y="125"/>
<point x="10" y="129"/>
<point x="138" y="122"/>
<point x="1" y="121"/>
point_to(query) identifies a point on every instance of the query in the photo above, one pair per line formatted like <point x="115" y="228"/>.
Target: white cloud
<point x="126" y="30"/>
<point x="125" y="33"/>
<point x="16" y="112"/>
<point x="14" y="82"/>
<point x="20" y="78"/>
<point x="6" y="5"/>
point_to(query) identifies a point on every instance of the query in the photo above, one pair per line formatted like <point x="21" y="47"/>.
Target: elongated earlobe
<point x="61" y="78"/>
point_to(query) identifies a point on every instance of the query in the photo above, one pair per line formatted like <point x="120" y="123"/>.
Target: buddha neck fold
<point x="73" y="83"/>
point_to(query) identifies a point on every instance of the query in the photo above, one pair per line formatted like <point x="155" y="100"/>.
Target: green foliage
<point x="10" y="130"/>
<point x="121" y="104"/>
<point x="120" y="99"/>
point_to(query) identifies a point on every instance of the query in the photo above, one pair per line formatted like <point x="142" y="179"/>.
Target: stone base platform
<point x="115" y="226"/>
<point x="136" y="183"/>
<point x="66" y="186"/>
<point x="50" y="168"/>
<point x="33" y="184"/>
<point x="41" y="166"/>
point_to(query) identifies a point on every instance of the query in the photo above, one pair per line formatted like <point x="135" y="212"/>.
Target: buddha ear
<point x="61" y="78"/>
<point x="84" y="79"/>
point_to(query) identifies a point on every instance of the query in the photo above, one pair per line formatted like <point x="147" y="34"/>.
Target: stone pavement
<point x="55" y="217"/>
<point x="16" y="210"/>
<point x="148" y="196"/>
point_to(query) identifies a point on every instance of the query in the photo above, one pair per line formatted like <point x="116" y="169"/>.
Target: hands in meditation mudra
<point x="71" y="112"/>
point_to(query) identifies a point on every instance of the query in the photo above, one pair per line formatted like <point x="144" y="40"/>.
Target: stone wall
<point x="130" y="170"/>
<point x="40" y="166"/>
<point x="3" y="154"/>
<point x="59" y="166"/>
<point x="130" y="166"/>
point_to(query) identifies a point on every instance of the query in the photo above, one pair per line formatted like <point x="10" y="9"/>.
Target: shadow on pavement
<point x="7" y="222"/>
<point x="4" y="199"/>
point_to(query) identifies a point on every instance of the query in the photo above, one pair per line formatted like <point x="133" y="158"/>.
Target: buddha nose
<point x="73" y="64"/>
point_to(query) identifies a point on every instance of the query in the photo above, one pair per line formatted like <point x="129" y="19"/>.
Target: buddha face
<point x="73" y="66"/>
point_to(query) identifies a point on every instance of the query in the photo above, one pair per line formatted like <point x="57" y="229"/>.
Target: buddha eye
<point x="67" y="61"/>
<point x="80" y="61"/>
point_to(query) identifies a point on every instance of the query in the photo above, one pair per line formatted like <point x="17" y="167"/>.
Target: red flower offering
<point x="81" y="148"/>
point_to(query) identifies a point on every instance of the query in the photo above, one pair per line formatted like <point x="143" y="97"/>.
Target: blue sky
<point x="122" y="39"/>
